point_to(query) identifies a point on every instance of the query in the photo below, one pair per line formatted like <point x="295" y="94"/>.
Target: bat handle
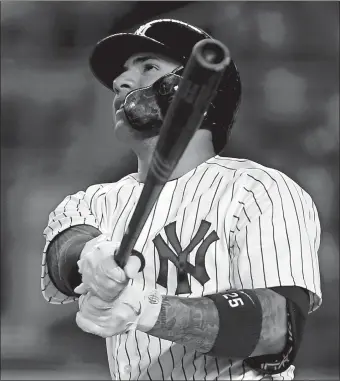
<point x="144" y="206"/>
<point x="122" y="259"/>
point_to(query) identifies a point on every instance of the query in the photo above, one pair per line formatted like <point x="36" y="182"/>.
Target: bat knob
<point x="141" y="258"/>
<point x="212" y="54"/>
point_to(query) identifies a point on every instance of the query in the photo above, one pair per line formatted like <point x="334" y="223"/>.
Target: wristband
<point x="146" y="305"/>
<point x="151" y="308"/>
<point x="240" y="323"/>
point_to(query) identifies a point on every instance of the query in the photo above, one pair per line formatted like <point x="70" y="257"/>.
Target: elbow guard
<point x="297" y="310"/>
<point x="62" y="256"/>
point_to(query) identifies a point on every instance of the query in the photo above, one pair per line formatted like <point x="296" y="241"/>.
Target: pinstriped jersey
<point x="230" y="223"/>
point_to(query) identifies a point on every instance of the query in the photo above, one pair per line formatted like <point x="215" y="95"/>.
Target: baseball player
<point x="225" y="271"/>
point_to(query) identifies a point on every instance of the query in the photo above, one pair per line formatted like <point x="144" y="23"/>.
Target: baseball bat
<point x="201" y="77"/>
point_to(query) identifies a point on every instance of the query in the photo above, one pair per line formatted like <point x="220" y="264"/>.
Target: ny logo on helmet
<point x="180" y="257"/>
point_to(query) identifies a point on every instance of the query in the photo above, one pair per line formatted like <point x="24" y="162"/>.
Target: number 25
<point x="236" y="302"/>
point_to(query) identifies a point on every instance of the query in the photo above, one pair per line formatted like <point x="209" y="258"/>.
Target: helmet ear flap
<point x="145" y="108"/>
<point x="165" y="89"/>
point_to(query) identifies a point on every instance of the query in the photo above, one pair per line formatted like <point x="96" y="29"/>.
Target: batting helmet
<point x="174" y="39"/>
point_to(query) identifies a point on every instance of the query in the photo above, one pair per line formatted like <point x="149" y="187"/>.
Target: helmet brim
<point x="110" y="54"/>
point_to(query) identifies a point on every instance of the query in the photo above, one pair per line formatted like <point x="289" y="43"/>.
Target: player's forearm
<point x="194" y="322"/>
<point x="62" y="256"/>
<point x="274" y="323"/>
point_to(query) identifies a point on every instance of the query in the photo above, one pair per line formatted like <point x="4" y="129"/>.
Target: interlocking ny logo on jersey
<point x="180" y="257"/>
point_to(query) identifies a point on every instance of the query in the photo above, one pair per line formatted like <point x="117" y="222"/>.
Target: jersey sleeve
<point x="277" y="236"/>
<point x="77" y="209"/>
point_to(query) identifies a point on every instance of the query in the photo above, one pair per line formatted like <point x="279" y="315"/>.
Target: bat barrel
<point x="201" y="77"/>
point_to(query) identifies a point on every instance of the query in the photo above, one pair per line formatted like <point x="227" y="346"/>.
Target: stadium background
<point x="56" y="139"/>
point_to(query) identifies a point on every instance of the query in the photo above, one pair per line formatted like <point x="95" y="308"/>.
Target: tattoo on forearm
<point x="274" y="323"/>
<point x="192" y="322"/>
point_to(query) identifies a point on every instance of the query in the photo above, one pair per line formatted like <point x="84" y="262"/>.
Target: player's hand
<point x="100" y="273"/>
<point x="133" y="309"/>
<point x="104" y="319"/>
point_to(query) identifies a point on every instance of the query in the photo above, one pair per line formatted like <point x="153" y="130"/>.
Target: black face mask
<point x="146" y="108"/>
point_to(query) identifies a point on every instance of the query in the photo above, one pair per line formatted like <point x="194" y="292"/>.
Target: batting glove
<point x="133" y="309"/>
<point x="100" y="273"/>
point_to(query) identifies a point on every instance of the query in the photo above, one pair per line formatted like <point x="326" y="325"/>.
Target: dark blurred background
<point x="56" y="139"/>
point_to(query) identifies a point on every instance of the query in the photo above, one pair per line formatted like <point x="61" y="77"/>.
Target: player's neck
<point x="198" y="151"/>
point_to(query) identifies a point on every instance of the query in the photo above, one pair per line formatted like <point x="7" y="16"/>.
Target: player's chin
<point x="125" y="133"/>
<point x="122" y="130"/>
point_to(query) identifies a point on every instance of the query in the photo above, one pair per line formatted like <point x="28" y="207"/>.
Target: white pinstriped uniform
<point x="265" y="232"/>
